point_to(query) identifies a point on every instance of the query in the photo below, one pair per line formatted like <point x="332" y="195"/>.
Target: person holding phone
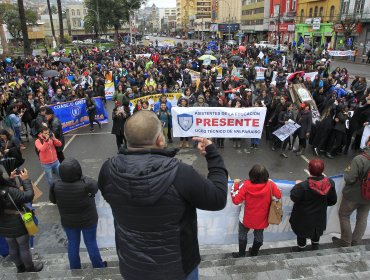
<point x="46" y="144"/>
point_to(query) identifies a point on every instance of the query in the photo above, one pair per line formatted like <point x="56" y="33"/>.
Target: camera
<point x="18" y="171"/>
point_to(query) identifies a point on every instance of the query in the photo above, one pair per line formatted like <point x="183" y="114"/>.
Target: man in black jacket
<point x="55" y="126"/>
<point x="154" y="197"/>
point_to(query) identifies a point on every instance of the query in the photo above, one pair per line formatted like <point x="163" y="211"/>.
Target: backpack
<point x="8" y="122"/>
<point x="365" y="184"/>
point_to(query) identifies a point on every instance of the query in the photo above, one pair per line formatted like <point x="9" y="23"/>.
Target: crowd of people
<point x="227" y="78"/>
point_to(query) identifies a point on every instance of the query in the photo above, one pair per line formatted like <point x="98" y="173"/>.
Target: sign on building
<point x="316" y="23"/>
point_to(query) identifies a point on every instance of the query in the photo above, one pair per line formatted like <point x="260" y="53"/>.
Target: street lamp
<point x="98" y="19"/>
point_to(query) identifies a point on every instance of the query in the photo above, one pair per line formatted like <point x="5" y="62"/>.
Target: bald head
<point x="142" y="129"/>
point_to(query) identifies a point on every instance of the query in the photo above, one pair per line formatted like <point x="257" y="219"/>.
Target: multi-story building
<point x="75" y="14"/>
<point x="45" y="18"/>
<point x="356" y="15"/>
<point x="282" y="21"/>
<point x="255" y="19"/>
<point x="167" y="18"/>
<point x="228" y="11"/>
<point x="185" y="9"/>
<point x="315" y="20"/>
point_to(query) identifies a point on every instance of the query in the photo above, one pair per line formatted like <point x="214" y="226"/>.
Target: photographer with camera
<point x="46" y="144"/>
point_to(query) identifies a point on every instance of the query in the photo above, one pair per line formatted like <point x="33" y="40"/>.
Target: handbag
<point x="276" y="210"/>
<point x="27" y="218"/>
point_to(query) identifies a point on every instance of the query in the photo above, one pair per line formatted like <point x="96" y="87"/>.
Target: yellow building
<point x="315" y="21"/>
<point x="184" y="9"/>
<point x="255" y="19"/>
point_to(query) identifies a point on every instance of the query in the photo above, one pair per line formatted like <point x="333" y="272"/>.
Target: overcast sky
<point x="162" y="3"/>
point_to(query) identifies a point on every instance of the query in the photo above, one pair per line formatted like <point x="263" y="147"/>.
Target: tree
<point x="23" y="22"/>
<point x="112" y="13"/>
<point x="60" y="15"/>
<point x="11" y="17"/>
<point x="54" y="8"/>
<point x="348" y="24"/>
<point x="51" y="12"/>
<point x="4" y="43"/>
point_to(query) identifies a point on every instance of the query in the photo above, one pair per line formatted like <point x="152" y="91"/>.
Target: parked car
<point x="77" y="42"/>
<point x="155" y="34"/>
<point x="88" y="41"/>
<point x="147" y="37"/>
<point x="178" y="37"/>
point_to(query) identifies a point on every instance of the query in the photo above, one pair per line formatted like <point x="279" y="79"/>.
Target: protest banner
<point x="260" y="73"/>
<point x="286" y="130"/>
<point x="365" y="136"/>
<point x="73" y="114"/>
<point x="146" y="55"/>
<point x="152" y="99"/>
<point x="218" y="122"/>
<point x="221" y="227"/>
<point x="341" y="53"/>
<point x="109" y="90"/>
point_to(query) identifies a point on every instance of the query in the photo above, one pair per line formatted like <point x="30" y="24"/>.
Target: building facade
<point x="315" y="21"/>
<point x="75" y="14"/>
<point x="184" y="9"/>
<point x="356" y="12"/>
<point x="282" y="21"/>
<point x="255" y="19"/>
<point x="229" y="11"/>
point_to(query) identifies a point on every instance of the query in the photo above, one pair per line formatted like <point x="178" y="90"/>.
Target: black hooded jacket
<point x="154" y="199"/>
<point x="74" y="195"/>
<point x="311" y="199"/>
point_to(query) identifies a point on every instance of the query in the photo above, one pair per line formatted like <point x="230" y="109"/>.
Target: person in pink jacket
<point x="256" y="195"/>
<point x="45" y="146"/>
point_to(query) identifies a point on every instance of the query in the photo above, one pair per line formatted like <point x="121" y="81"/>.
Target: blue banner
<point x="73" y="114"/>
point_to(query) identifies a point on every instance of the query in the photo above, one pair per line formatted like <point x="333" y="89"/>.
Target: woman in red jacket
<point x="256" y="195"/>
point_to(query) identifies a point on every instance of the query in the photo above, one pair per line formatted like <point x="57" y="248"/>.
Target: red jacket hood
<point x="255" y="189"/>
<point x="320" y="186"/>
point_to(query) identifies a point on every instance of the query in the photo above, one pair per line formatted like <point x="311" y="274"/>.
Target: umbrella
<point x="9" y="164"/>
<point x="207" y="56"/>
<point x="209" y="52"/>
<point x="293" y="75"/>
<point x="51" y="73"/>
<point x="65" y="59"/>
<point x="242" y="48"/>
<point x="307" y="46"/>
<point x="235" y="57"/>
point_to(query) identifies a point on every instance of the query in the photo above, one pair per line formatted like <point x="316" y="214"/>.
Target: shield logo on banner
<point x="75" y="111"/>
<point x="185" y="121"/>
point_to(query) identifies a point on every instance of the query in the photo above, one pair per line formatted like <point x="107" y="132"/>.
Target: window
<point x="78" y="12"/>
<point x="359" y="6"/>
<point x="321" y="11"/>
<point x="287" y="6"/>
<point x="332" y="11"/>
<point x="316" y="11"/>
<point x="294" y="5"/>
<point x="345" y="7"/>
<point x="310" y="14"/>
<point x="73" y="12"/>
<point x="302" y="16"/>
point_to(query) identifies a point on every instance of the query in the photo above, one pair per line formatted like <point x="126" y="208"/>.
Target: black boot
<point x="21" y="268"/>
<point x="35" y="267"/>
<point x="242" y="247"/>
<point x="253" y="251"/>
<point x="315" y="246"/>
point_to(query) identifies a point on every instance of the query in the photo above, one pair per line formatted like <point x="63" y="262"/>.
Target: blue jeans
<point x="50" y="169"/>
<point x="193" y="275"/>
<point x="255" y="141"/>
<point x="4" y="249"/>
<point x="74" y="239"/>
<point x="17" y="133"/>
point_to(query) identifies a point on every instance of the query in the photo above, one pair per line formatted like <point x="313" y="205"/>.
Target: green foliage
<point x="54" y="9"/>
<point x="10" y="16"/>
<point x="112" y="13"/>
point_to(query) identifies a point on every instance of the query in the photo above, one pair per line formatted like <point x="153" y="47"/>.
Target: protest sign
<point x="218" y="122"/>
<point x="260" y="73"/>
<point x="341" y="53"/>
<point x="109" y="90"/>
<point x="73" y="114"/>
<point x="286" y="130"/>
<point x="365" y="136"/>
<point x="152" y="99"/>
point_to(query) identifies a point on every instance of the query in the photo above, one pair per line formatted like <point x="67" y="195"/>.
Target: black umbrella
<point x="65" y="59"/>
<point x="51" y="73"/>
<point x="235" y="57"/>
<point x="9" y="164"/>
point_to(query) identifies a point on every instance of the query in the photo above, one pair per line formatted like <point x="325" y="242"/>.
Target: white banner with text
<point x="218" y="122"/>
